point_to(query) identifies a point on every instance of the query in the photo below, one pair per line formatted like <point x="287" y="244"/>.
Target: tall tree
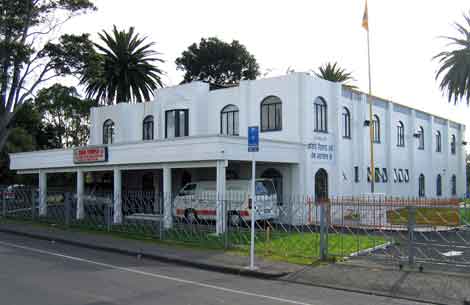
<point x="124" y="69"/>
<point x="217" y="62"/>
<point x="454" y="69"/>
<point x="334" y="73"/>
<point x="65" y="116"/>
<point x="29" y="54"/>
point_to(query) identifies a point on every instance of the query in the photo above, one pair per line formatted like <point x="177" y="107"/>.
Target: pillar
<point x="221" y="199"/>
<point x="42" y="193"/>
<point x="167" y="199"/>
<point x="117" y="196"/>
<point x="80" y="193"/>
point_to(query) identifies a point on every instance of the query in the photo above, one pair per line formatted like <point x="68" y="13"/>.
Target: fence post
<point x="411" y="228"/>
<point x="67" y="203"/>
<point x="33" y="204"/>
<point x="4" y="203"/>
<point x="323" y="232"/>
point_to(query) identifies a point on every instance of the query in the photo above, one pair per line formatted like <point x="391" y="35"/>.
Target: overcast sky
<point x="303" y="34"/>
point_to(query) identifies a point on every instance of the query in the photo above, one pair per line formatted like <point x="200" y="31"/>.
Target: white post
<point x="42" y="193"/>
<point x="80" y="191"/>
<point x="253" y="211"/>
<point x="117" y="196"/>
<point x="220" y="193"/>
<point x="167" y="209"/>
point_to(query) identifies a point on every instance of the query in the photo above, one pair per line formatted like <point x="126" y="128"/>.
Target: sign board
<point x="90" y="155"/>
<point x="253" y="139"/>
<point x="321" y="150"/>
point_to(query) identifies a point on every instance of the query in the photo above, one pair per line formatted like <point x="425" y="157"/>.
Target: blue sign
<point x="253" y="139"/>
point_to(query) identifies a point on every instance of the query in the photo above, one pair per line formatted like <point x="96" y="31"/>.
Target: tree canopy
<point x="334" y="73"/>
<point x="123" y="69"/>
<point x="217" y="62"/>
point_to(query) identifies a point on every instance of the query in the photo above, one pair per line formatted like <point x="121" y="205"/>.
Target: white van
<point x="197" y="201"/>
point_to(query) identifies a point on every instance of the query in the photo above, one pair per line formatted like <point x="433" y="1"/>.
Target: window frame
<point x="438" y="185"/>
<point x="438" y="141"/>
<point x="320" y="110"/>
<point x="148" y="128"/>
<point x="453" y="185"/>
<point x="400" y="134"/>
<point x="277" y="114"/>
<point x="422" y="186"/>
<point x="177" y="123"/>
<point x="421" y="138"/>
<point x="453" y="145"/>
<point x="346" y="120"/>
<point x="235" y="115"/>
<point x="108" y="132"/>
<point x="376" y="129"/>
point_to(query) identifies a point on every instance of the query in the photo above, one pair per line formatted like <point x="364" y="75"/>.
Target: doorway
<point x="321" y="185"/>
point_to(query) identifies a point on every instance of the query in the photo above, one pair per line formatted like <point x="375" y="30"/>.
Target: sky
<point x="302" y="35"/>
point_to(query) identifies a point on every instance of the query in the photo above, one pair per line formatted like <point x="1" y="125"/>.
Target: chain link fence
<point x="296" y="229"/>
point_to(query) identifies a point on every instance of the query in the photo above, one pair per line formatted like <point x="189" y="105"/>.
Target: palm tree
<point x="454" y="69"/>
<point x="123" y="70"/>
<point x="334" y="73"/>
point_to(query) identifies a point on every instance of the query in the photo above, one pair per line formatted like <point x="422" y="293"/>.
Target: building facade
<point x="314" y="139"/>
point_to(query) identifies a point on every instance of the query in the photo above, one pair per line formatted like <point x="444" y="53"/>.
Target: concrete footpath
<point x="432" y="286"/>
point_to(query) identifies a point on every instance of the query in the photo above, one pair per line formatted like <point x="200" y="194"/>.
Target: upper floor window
<point x="321" y="115"/>
<point x="147" y="128"/>
<point x="271" y="114"/>
<point x="438" y="141"/>
<point x="454" y="185"/>
<point x="346" y="123"/>
<point x="400" y="134"/>
<point x="229" y="120"/>
<point x="421" y="138"/>
<point x="421" y="185"/>
<point x="176" y="123"/>
<point x="452" y="144"/>
<point x="376" y="127"/>
<point x="439" y="186"/>
<point x="108" y="132"/>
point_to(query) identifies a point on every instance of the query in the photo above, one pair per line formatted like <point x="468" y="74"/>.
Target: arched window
<point x="454" y="185"/>
<point x="421" y="138"/>
<point x="400" y="134"/>
<point x="438" y="141"/>
<point x="452" y="144"/>
<point x="321" y="115"/>
<point x="346" y="123"/>
<point x="176" y="123"/>
<point x="108" y="132"/>
<point x="229" y="120"/>
<point x="439" y="186"/>
<point x="421" y="185"/>
<point x="147" y="128"/>
<point x="376" y="125"/>
<point x="271" y="114"/>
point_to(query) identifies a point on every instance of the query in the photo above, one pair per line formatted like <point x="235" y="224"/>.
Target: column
<point x="221" y="200"/>
<point x="42" y="193"/>
<point x="389" y="124"/>
<point x="80" y="192"/>
<point x="446" y="186"/>
<point x="413" y="184"/>
<point x="117" y="196"/>
<point x="167" y="198"/>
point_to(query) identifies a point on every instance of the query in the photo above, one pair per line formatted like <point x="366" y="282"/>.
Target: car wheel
<point x="191" y="216"/>
<point x="235" y="219"/>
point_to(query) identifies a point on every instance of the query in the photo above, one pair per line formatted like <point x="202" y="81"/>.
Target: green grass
<point x="427" y="216"/>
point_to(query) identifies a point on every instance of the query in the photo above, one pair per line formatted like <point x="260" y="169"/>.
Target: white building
<point x="313" y="140"/>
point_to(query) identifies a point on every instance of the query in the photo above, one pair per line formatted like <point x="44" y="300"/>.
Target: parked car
<point x="198" y="201"/>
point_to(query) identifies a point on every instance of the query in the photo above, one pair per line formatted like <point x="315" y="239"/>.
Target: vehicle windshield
<point x="188" y="189"/>
<point x="264" y="187"/>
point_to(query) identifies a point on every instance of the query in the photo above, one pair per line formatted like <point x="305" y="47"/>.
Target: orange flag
<point x="365" y="19"/>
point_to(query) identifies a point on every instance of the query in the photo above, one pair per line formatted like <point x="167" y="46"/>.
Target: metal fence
<point x="297" y="229"/>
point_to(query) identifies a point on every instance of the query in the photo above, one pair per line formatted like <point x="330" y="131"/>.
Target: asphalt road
<point x="40" y="272"/>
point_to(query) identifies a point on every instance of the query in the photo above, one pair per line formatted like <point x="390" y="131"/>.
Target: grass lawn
<point x="427" y="216"/>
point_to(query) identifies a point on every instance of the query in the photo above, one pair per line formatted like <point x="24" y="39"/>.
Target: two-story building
<point x="314" y="139"/>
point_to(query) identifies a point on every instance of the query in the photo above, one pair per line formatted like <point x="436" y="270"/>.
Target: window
<point x="439" y="186"/>
<point x="421" y="138"/>
<point x="384" y="175"/>
<point x="407" y="176"/>
<point x="321" y="115"/>
<point x="147" y="128"/>
<point x="229" y="120"/>
<point x="346" y="123"/>
<point x="176" y="123"/>
<point x="438" y="141"/>
<point x="401" y="177"/>
<point x="454" y="185"/>
<point x="395" y="175"/>
<point x="377" y="175"/>
<point x="271" y="114"/>
<point x="356" y="173"/>
<point x="452" y="145"/>
<point x="421" y="191"/>
<point x="376" y="127"/>
<point x="108" y="132"/>
<point x="400" y="134"/>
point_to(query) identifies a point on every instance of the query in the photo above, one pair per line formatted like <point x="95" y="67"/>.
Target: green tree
<point x="334" y="73"/>
<point x="29" y="53"/>
<point x="217" y="62"/>
<point x="124" y="69"/>
<point x="65" y="116"/>
<point x="454" y="64"/>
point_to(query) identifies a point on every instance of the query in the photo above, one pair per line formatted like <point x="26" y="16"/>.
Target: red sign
<point x="90" y="155"/>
